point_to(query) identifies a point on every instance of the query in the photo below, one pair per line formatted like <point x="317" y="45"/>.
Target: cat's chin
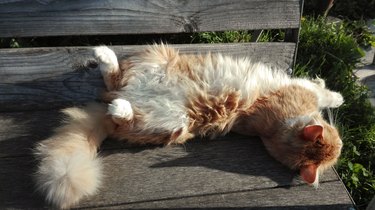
<point x="310" y="174"/>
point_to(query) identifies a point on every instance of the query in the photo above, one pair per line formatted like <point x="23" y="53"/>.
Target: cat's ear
<point x="312" y="132"/>
<point x="309" y="173"/>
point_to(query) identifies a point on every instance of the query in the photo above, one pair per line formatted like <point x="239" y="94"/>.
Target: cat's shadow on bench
<point x="231" y="154"/>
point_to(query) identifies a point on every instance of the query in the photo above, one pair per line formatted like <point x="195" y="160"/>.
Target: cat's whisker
<point x="315" y="184"/>
<point x="330" y="116"/>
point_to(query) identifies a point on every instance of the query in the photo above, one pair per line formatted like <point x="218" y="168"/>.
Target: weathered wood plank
<point x="330" y="195"/>
<point x="19" y="131"/>
<point x="24" y="18"/>
<point x="214" y="174"/>
<point x="232" y="171"/>
<point x="197" y="174"/>
<point x="45" y="78"/>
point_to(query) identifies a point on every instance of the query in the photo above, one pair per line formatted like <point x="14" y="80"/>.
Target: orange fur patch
<point x="213" y="115"/>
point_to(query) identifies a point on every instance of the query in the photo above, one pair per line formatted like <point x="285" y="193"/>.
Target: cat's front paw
<point x="120" y="108"/>
<point x="337" y="100"/>
<point x="319" y="81"/>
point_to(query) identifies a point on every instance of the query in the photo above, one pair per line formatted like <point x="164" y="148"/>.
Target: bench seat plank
<point x="45" y="78"/>
<point x="94" y="17"/>
<point x="231" y="171"/>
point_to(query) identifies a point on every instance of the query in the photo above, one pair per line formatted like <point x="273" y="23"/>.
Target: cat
<point x="160" y="96"/>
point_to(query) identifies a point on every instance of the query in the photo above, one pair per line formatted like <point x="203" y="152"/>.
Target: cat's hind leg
<point x="141" y="127"/>
<point x="109" y="67"/>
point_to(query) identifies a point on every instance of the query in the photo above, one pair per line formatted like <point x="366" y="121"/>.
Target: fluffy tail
<point x="69" y="168"/>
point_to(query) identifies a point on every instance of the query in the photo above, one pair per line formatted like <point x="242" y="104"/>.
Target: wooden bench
<point x="231" y="172"/>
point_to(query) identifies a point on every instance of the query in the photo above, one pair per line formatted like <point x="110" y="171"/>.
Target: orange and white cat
<point x="160" y="96"/>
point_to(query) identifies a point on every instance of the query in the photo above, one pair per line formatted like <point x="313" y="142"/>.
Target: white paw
<point x="319" y="81"/>
<point x="120" y="108"/>
<point x="337" y="100"/>
<point x="106" y="58"/>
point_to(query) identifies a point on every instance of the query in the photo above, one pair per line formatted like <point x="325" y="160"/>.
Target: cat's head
<point x="307" y="144"/>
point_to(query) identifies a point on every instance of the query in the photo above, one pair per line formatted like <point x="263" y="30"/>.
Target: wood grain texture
<point x="45" y="78"/>
<point x="234" y="171"/>
<point x="24" y="18"/>
<point x="164" y="178"/>
<point x="228" y="172"/>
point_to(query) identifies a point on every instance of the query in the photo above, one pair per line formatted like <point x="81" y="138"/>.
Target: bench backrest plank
<point x="95" y="17"/>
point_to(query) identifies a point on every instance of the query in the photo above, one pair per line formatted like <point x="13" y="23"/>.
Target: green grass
<point x="331" y="51"/>
<point x="222" y="37"/>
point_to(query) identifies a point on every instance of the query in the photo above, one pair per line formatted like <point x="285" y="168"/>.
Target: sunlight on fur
<point x="159" y="96"/>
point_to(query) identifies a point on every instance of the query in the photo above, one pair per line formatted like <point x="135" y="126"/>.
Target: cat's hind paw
<point x="107" y="59"/>
<point x="120" y="108"/>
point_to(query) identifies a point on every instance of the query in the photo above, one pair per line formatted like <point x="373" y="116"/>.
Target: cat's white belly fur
<point x="162" y="98"/>
<point x="162" y="101"/>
